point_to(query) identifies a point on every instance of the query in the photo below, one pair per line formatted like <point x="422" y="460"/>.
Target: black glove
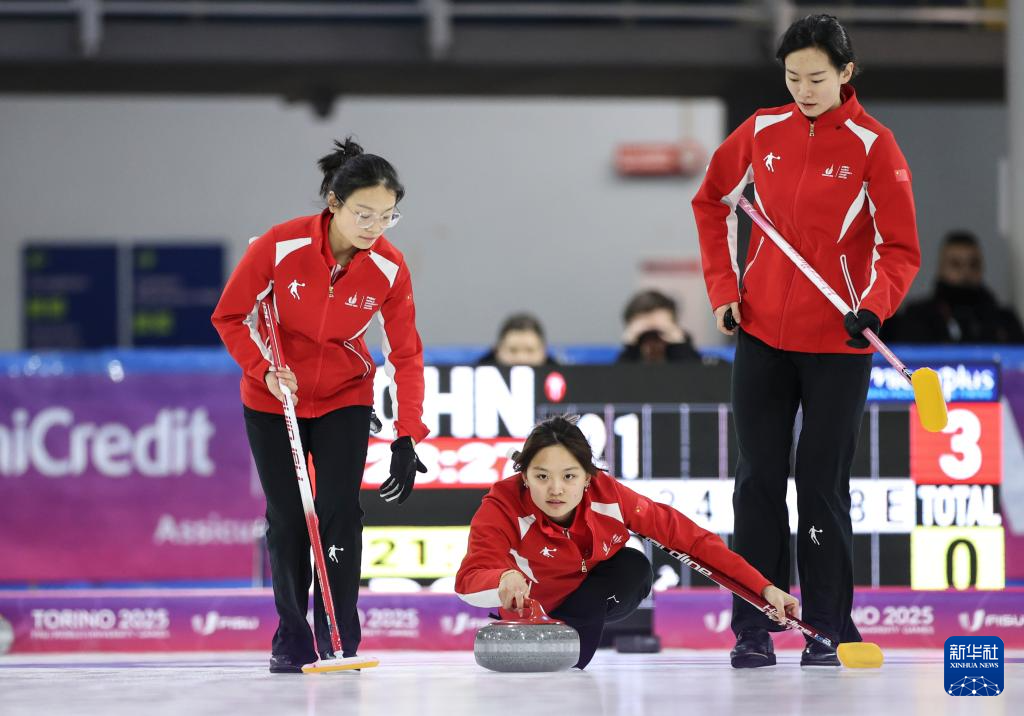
<point x="729" y="320"/>
<point x="857" y="322"/>
<point x="404" y="466"/>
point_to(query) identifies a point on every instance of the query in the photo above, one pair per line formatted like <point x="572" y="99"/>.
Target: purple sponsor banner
<point x="243" y="619"/>
<point x="214" y="620"/>
<point x="892" y="618"/>
<point x="142" y="477"/>
<point x="1013" y="389"/>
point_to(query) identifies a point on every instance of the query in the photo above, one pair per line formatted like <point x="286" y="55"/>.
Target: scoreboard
<point x="924" y="506"/>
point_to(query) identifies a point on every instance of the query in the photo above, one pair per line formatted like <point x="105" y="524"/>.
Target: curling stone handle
<point x="532" y="609"/>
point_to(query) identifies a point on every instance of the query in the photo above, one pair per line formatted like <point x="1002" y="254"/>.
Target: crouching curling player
<point x="556" y="532"/>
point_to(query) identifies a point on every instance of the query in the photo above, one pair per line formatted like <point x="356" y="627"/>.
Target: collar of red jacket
<point x="848" y="108"/>
<point x="321" y="232"/>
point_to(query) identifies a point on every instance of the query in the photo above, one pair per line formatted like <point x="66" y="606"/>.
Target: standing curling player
<point x="329" y="274"/>
<point x="557" y="532"/>
<point x="833" y="181"/>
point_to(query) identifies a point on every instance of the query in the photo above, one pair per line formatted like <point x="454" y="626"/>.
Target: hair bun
<point x="349" y="148"/>
<point x="331" y="163"/>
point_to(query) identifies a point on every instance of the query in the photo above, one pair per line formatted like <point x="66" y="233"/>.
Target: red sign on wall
<point x="968" y="451"/>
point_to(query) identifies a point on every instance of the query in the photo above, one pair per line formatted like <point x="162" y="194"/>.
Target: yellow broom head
<point x="326" y="666"/>
<point x="931" y="406"/>
<point x="860" y="655"/>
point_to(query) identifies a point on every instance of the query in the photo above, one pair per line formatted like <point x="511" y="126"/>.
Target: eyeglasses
<point x="367" y="219"/>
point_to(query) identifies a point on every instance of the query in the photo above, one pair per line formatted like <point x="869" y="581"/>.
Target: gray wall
<point x="512" y="204"/>
<point x="954" y="151"/>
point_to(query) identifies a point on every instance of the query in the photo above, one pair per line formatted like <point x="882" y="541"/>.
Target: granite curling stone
<point x="533" y="642"/>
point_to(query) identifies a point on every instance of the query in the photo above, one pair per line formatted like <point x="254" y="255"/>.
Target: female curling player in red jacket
<point x="557" y="532"/>
<point x="329" y="275"/>
<point x="834" y="183"/>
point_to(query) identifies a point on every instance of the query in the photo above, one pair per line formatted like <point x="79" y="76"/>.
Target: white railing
<point x="439" y="15"/>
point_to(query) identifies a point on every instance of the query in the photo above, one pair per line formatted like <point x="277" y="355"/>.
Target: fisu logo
<point x="213" y="622"/>
<point x="974" y="622"/>
<point x="462" y="622"/>
<point x="717" y="623"/>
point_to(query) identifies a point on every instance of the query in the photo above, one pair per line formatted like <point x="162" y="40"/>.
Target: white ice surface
<point x="675" y="683"/>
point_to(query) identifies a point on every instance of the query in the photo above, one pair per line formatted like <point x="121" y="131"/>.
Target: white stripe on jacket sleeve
<point x="879" y="240"/>
<point x="252" y="320"/>
<point x="731" y="200"/>
<point x="486" y="598"/>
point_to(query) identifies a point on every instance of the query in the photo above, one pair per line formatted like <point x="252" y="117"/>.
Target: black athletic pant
<point x="768" y="385"/>
<point x="611" y="592"/>
<point x="338" y="442"/>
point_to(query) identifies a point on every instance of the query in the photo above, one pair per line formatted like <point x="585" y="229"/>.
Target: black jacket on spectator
<point x="674" y="352"/>
<point x="955" y="314"/>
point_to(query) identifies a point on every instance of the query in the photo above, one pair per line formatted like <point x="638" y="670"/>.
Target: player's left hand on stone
<point x="855" y="323"/>
<point x="404" y="466"/>
<point x="786" y="605"/>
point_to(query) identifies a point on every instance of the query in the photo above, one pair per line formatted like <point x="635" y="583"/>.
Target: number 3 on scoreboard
<point x="967" y="451"/>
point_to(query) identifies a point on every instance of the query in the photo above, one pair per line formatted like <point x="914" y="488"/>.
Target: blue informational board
<point x="69" y="295"/>
<point x="175" y="289"/>
<point x="972" y="382"/>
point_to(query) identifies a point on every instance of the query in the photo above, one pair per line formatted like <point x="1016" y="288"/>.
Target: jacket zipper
<point x="320" y="336"/>
<point x="583" y="562"/>
<point x="320" y="356"/>
<point x="796" y="193"/>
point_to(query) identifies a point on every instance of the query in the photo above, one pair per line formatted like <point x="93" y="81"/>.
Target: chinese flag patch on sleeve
<point x="901" y="174"/>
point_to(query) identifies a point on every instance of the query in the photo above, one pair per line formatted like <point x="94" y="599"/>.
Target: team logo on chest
<point x="549" y="552"/>
<point x="769" y="160"/>
<point x="843" y="172"/>
<point x="367" y="303"/>
<point x="293" y="288"/>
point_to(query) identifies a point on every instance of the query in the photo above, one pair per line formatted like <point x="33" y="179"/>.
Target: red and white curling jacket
<point x="324" y="310"/>
<point x="839" y="191"/>
<point x="509" y="531"/>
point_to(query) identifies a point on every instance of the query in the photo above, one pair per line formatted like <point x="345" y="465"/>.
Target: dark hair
<point x="348" y="169"/>
<point x="960" y="237"/>
<point x="521" y="322"/>
<point x="645" y="302"/>
<point x="559" y="430"/>
<point x="824" y="32"/>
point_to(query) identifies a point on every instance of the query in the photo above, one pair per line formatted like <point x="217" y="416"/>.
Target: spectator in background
<point x="961" y="309"/>
<point x="652" y="333"/>
<point x="520" y="342"/>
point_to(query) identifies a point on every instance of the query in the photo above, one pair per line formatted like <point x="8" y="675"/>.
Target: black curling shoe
<point x="753" y="648"/>
<point x="817" y="654"/>
<point x="284" y="664"/>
